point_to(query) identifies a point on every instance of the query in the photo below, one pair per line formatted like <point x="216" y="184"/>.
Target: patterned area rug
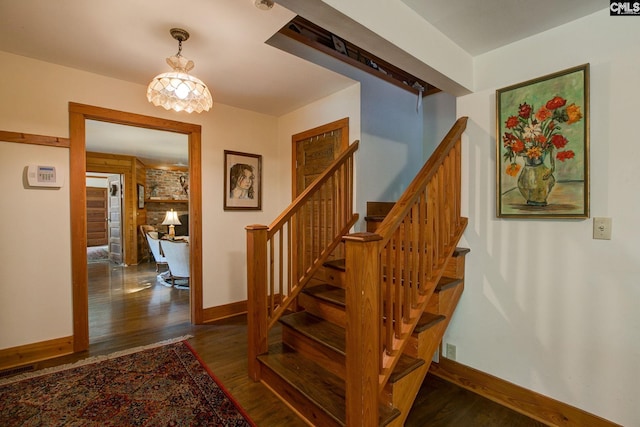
<point x="97" y="254"/>
<point x="167" y="385"/>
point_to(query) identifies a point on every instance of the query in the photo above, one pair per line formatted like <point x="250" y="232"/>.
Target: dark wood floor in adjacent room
<point x="129" y="308"/>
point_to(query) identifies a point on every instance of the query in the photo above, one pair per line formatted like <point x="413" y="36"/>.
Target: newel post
<point x="363" y="328"/>
<point x="256" y="296"/>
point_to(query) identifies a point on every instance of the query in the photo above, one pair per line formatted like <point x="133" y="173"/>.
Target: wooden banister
<point x="294" y="207"/>
<point x="281" y="258"/>
<point x="392" y="274"/>
<point x="430" y="168"/>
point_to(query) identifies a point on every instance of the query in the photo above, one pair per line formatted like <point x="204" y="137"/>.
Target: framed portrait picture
<point x="140" y="196"/>
<point x="242" y="181"/>
<point x="542" y="153"/>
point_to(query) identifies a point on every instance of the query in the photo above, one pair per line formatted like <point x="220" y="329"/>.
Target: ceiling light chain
<point x="178" y="90"/>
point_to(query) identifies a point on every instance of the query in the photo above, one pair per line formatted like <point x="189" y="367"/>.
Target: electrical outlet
<point x="602" y="228"/>
<point x="451" y="351"/>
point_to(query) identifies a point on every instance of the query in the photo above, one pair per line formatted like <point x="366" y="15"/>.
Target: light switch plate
<point x="602" y="228"/>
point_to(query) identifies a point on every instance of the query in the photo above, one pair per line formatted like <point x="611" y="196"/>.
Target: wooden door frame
<point x="78" y="113"/>
<point x="344" y="143"/>
<point x="342" y="124"/>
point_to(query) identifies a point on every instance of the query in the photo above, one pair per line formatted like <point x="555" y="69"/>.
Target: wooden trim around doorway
<point x="78" y="113"/>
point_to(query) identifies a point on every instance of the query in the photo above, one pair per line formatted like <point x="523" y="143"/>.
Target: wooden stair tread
<point x="446" y="283"/>
<point x="428" y="320"/>
<point x="324" y="389"/>
<point x="333" y="336"/>
<point x="460" y="252"/>
<point x="327" y="292"/>
<point x="404" y="367"/>
<point x="317" y="329"/>
<point x="375" y="218"/>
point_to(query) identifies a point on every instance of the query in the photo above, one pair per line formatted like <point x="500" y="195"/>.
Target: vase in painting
<point x="535" y="181"/>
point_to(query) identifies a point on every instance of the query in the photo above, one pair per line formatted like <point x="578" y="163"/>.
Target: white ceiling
<point x="129" y="40"/>
<point x="479" y="26"/>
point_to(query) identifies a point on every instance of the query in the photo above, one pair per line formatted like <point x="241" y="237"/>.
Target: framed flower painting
<point x="542" y="153"/>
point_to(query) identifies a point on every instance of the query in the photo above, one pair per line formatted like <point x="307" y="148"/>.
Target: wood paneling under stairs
<point x="222" y="345"/>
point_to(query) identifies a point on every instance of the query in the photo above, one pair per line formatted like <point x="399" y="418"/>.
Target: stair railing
<point x="392" y="273"/>
<point x="282" y="257"/>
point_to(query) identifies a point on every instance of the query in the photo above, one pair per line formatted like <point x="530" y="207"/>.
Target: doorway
<point x="78" y="114"/>
<point x="97" y="211"/>
<point x="313" y="152"/>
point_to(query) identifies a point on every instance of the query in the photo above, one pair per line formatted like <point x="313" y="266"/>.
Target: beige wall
<point x="35" y="305"/>
<point x="546" y="306"/>
<point x="35" y="294"/>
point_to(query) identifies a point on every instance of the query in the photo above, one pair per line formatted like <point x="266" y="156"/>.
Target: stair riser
<point x="335" y="277"/>
<point x="307" y="409"/>
<point x="444" y="302"/>
<point x="328" y="358"/>
<point x="455" y="267"/>
<point x="324" y="310"/>
<point x="424" y="344"/>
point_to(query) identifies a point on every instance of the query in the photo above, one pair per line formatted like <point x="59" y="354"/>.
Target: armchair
<point x="151" y="236"/>
<point x="177" y="255"/>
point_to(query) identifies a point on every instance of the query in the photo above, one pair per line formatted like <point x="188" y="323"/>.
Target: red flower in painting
<point x="564" y="155"/>
<point x="543" y="114"/>
<point x="517" y="146"/>
<point x="541" y="139"/>
<point x="524" y="110"/>
<point x="559" y="141"/>
<point x="511" y="122"/>
<point x="556" y="102"/>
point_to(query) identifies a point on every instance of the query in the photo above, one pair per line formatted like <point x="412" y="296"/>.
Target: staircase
<point x="358" y="333"/>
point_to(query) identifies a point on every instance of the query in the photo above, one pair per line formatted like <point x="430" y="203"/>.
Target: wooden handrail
<point x="399" y="210"/>
<point x="392" y="274"/>
<point x="310" y="190"/>
<point x="282" y="258"/>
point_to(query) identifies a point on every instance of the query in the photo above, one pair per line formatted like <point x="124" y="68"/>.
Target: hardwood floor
<point x="128" y="308"/>
<point x="125" y="300"/>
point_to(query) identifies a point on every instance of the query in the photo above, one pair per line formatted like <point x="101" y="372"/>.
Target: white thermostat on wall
<point x="43" y="176"/>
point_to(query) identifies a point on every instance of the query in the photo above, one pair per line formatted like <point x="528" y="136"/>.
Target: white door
<point x="114" y="226"/>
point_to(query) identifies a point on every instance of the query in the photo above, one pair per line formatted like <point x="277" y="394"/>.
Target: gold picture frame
<point x="542" y="147"/>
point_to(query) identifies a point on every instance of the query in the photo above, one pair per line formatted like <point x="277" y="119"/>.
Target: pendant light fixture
<point x="178" y="90"/>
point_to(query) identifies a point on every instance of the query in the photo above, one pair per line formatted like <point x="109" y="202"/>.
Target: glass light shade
<point x="178" y="90"/>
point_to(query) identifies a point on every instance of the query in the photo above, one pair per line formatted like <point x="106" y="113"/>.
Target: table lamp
<point x="171" y="219"/>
